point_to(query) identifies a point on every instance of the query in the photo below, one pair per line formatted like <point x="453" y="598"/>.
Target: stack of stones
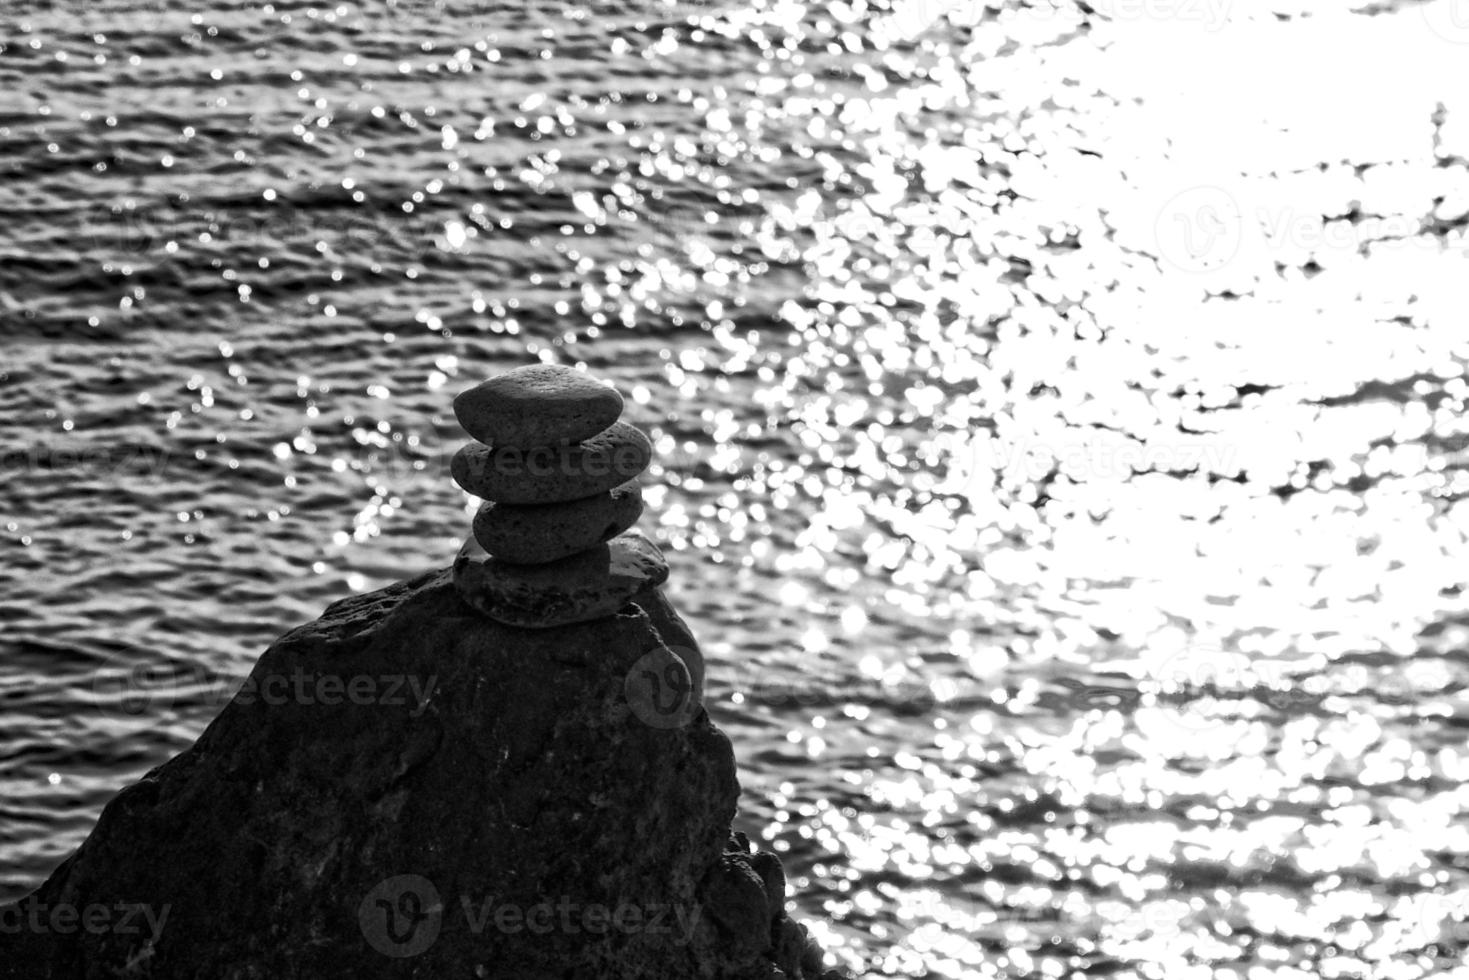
<point x="557" y="471"/>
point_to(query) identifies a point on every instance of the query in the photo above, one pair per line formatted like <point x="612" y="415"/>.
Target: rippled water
<point x="1060" y="408"/>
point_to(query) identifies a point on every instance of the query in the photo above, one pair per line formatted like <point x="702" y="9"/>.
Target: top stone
<point x="537" y="405"/>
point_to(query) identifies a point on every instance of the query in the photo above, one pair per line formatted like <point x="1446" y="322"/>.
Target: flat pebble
<point x="537" y="405"/>
<point x="535" y="534"/>
<point x="551" y="474"/>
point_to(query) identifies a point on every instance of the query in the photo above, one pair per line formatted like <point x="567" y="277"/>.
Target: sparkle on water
<point x="1060" y="414"/>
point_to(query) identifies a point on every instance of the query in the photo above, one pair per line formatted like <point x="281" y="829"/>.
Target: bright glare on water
<point x="1060" y="412"/>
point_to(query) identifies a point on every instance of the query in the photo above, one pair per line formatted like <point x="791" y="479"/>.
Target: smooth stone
<point x="586" y="586"/>
<point x="537" y="405"/>
<point x="535" y="534"/>
<point x="552" y="474"/>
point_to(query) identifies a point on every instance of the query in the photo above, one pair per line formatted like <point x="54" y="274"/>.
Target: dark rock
<point x="772" y="875"/>
<point x="483" y="803"/>
<point x="551" y="474"/>
<point x="737" y="906"/>
<point x="537" y="534"/>
<point x="586" y="586"/>
<point x="790" y="946"/>
<point x="537" y="405"/>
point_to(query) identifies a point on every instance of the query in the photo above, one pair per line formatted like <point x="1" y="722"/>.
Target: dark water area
<point x="1060" y="417"/>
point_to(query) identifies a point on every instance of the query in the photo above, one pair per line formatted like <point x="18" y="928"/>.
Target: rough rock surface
<point x="537" y="405"/>
<point x="551" y="474"/>
<point x="537" y="534"/>
<point x="589" y="585"/>
<point x="476" y="783"/>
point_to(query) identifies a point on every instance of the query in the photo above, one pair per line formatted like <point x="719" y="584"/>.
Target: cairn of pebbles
<point x="557" y="471"/>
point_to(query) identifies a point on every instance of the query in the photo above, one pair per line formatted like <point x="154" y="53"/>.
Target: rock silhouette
<point x="441" y="793"/>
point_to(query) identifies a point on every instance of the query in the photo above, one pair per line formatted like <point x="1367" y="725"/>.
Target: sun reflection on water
<point x="1059" y="410"/>
<point x="1152" y="424"/>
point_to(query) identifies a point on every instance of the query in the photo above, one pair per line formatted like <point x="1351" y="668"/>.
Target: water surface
<point x="1060" y="409"/>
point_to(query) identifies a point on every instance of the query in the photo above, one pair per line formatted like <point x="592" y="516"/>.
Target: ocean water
<point x="1060" y="411"/>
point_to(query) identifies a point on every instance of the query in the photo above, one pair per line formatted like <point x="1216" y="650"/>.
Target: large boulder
<point x="406" y="788"/>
